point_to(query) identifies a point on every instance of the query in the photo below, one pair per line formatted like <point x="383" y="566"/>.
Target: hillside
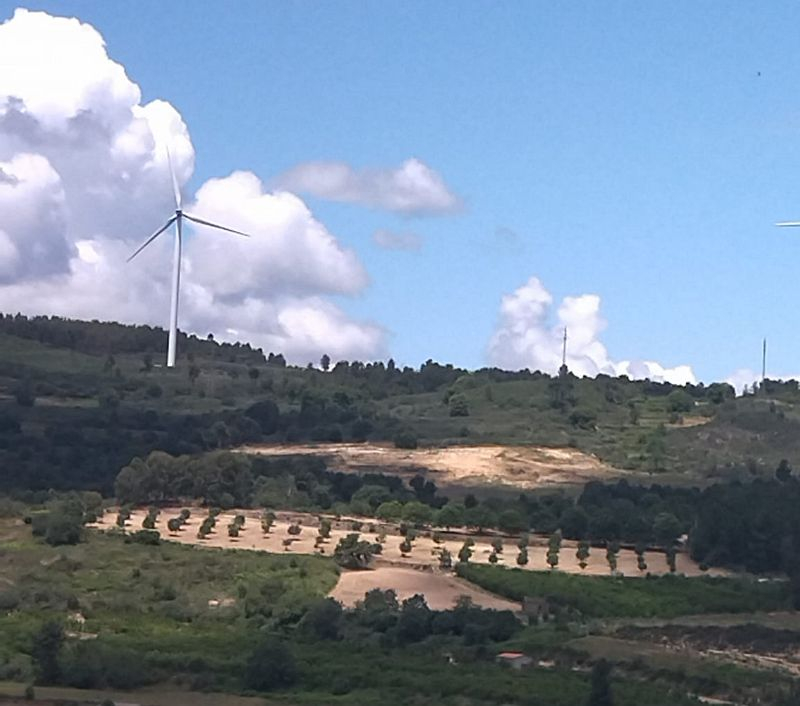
<point x="86" y="397"/>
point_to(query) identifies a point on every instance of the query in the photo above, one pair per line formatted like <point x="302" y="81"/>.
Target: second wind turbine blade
<point x="175" y="186"/>
<point x="214" y="225"/>
<point x="788" y="224"/>
<point x="152" y="238"/>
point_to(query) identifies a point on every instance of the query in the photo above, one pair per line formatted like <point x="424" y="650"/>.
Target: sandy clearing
<point x="441" y="591"/>
<point x="524" y="467"/>
<point x="424" y="551"/>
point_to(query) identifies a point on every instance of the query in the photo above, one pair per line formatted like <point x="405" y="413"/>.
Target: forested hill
<point x="79" y="399"/>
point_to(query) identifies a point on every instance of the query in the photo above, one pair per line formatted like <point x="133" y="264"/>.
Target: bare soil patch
<point x="523" y="467"/>
<point x="441" y="590"/>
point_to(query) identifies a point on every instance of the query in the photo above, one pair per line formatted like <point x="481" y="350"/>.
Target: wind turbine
<point x="177" y="219"/>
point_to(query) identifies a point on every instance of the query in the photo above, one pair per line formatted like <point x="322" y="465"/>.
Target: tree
<point x="271" y="666"/>
<point x="266" y="414"/>
<point x="600" y="694"/>
<point x="666" y="528"/>
<point x="323" y="619"/>
<point x="512" y="521"/>
<point x="493" y="558"/>
<point x="267" y="520"/>
<point x="445" y="560"/>
<point x="417" y="513"/>
<point x="465" y="553"/>
<point x="390" y="511"/>
<point x="406" y="439"/>
<point x="680" y="401"/>
<point x="352" y="552"/>
<point x="784" y="471"/>
<point x="174" y="524"/>
<point x="582" y="554"/>
<point x="574" y="522"/>
<point x="294" y="529"/>
<point x="458" y="406"/>
<point x="63" y="527"/>
<point x="523" y="541"/>
<point x="45" y="652"/>
<point x="671" y="556"/>
<point x="233" y="530"/>
<point x="522" y="557"/>
<point x="641" y="564"/>
<point x="325" y="362"/>
<point x="553" y="548"/>
<point x="405" y="546"/>
<point x="612" y="549"/>
<point x="451" y="515"/>
<point x="497" y="545"/>
<point x="325" y="529"/>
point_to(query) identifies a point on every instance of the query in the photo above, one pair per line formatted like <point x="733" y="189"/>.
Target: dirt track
<point x="523" y="467"/>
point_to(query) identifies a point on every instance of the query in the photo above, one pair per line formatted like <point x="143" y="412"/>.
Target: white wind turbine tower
<point x="177" y="219"/>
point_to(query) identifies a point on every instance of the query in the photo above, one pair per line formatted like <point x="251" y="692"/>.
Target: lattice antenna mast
<point x="564" y="350"/>
<point x="764" y="361"/>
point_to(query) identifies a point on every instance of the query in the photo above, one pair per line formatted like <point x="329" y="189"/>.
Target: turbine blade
<point x="175" y="186"/>
<point x="789" y="224"/>
<point x="152" y="238"/>
<point x="214" y="225"/>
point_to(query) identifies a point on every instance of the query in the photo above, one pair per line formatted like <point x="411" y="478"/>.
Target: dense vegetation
<point x="606" y="596"/>
<point x="269" y="630"/>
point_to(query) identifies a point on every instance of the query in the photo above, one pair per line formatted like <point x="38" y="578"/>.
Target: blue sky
<point x="637" y="151"/>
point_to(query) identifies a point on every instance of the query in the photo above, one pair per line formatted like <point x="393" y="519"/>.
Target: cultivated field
<point x="424" y="550"/>
<point x="524" y="467"/>
<point x="414" y="572"/>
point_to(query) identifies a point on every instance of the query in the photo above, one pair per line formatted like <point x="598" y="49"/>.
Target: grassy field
<point x="150" y="599"/>
<point x="607" y="597"/>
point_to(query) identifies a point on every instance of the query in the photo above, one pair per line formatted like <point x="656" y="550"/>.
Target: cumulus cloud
<point x="526" y="337"/>
<point x="392" y="240"/>
<point x="84" y="179"/>
<point x="413" y="188"/>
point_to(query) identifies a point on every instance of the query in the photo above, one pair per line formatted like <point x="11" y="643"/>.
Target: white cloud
<point x="413" y="188"/>
<point x="741" y="378"/>
<point x="526" y="338"/>
<point x="392" y="240"/>
<point x="84" y="179"/>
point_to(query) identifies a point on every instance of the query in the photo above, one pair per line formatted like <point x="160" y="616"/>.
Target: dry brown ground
<point x="424" y="552"/>
<point x="523" y="467"/>
<point x="441" y="590"/>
